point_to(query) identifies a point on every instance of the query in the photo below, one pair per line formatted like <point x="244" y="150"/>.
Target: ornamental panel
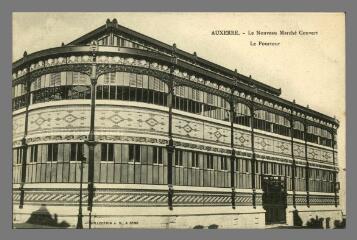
<point x="242" y="139"/>
<point x="263" y="143"/>
<point x="187" y="127"/>
<point x="299" y="150"/>
<point x="272" y="145"/>
<point x="123" y="119"/>
<point x="314" y="153"/>
<point x="219" y="134"/>
<point x="282" y="147"/>
<point x="60" y="119"/>
<point x="18" y="126"/>
<point x="326" y="156"/>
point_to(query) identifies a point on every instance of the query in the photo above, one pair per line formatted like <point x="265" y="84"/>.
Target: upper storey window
<point x="19" y="97"/>
<point x="121" y="41"/>
<point x="18" y="90"/>
<point x="242" y="115"/>
<point x="195" y="101"/>
<point x="104" y="41"/>
<point x="299" y="130"/>
<point x="262" y="120"/>
<point x="325" y="138"/>
<point x="313" y="133"/>
<point x="60" y="79"/>
<point x="132" y="87"/>
<point x="271" y="122"/>
<point x="125" y="42"/>
<point x="58" y="86"/>
<point x="319" y="136"/>
<point x="281" y="125"/>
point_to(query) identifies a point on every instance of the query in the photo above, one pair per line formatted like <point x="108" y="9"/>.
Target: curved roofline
<point x="113" y="25"/>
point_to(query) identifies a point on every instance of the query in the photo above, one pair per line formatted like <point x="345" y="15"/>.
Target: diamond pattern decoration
<point x="187" y="128"/>
<point x="151" y="122"/>
<point x="40" y="120"/>
<point x="282" y="147"/>
<point x="299" y="150"/>
<point x="116" y="119"/>
<point x="313" y="154"/>
<point x="218" y="134"/>
<point x="59" y="119"/>
<point x="263" y="143"/>
<point x="242" y="139"/>
<point x="326" y="155"/>
<point x="70" y="118"/>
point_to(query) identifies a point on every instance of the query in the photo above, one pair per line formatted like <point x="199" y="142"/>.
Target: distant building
<point x="166" y="139"/>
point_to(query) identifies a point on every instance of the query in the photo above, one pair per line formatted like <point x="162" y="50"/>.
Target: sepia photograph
<point x="178" y="120"/>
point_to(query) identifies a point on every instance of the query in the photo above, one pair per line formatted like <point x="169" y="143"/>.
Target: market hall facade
<point x="117" y="129"/>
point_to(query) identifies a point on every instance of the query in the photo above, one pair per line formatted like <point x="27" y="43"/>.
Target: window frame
<point x="109" y="153"/>
<point x="133" y="150"/>
<point x="157" y="156"/>
<point x="52" y="152"/>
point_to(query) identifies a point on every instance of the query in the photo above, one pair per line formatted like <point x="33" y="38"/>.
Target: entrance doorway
<point x="274" y="199"/>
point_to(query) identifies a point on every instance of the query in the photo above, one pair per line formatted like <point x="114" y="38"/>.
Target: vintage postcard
<point x="178" y="120"/>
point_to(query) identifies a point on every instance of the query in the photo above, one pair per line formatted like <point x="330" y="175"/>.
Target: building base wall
<point x="148" y="217"/>
<point x="317" y="216"/>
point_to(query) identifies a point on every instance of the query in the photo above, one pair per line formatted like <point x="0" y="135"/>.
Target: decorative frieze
<point x="135" y="197"/>
<point x="322" y="200"/>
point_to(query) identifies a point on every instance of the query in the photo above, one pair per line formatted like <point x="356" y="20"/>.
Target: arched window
<point x="132" y="87"/>
<point x="263" y="120"/>
<point x="198" y="102"/>
<point x="243" y="114"/>
<point x="299" y="130"/>
<point x="188" y="99"/>
<point x="215" y="107"/>
<point x="61" y="85"/>
<point x="313" y="133"/>
<point x="326" y="138"/>
<point x="281" y="125"/>
<point x="18" y="96"/>
<point x="271" y="122"/>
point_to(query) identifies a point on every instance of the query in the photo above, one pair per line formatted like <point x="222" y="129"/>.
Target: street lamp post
<point x="80" y="215"/>
<point x="90" y="142"/>
<point x="91" y="138"/>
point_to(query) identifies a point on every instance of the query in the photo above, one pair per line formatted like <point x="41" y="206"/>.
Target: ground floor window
<point x="146" y="164"/>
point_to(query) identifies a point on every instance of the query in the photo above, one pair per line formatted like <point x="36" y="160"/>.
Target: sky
<point x="308" y="68"/>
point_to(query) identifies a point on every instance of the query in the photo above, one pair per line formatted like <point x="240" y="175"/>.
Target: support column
<point x="23" y="141"/>
<point x="307" y="168"/>
<point x="335" y="170"/>
<point x="91" y="137"/>
<point x="232" y="117"/>
<point x="170" y="147"/>
<point x="80" y="214"/>
<point x="252" y="109"/>
<point x="293" y="170"/>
